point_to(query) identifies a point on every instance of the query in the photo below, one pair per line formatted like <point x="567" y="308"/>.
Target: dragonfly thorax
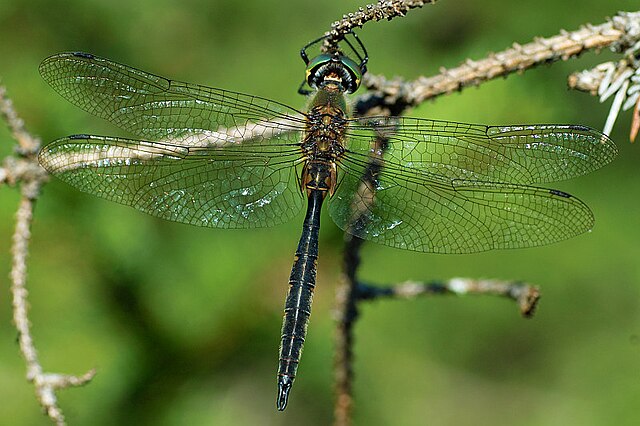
<point x="325" y="130"/>
<point x="335" y="69"/>
<point x="323" y="143"/>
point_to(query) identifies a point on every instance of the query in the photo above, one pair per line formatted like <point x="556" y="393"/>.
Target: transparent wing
<point x="433" y="214"/>
<point x="449" y="187"/>
<point x="159" y="109"/>
<point x="230" y="186"/>
<point x="515" y="154"/>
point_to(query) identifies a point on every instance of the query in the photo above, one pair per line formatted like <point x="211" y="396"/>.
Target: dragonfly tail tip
<point x="284" y="387"/>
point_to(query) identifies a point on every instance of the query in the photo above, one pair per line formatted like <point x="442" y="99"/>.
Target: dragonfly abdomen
<point x="297" y="308"/>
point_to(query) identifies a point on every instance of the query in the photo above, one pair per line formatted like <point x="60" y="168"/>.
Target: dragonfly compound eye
<point x="333" y="68"/>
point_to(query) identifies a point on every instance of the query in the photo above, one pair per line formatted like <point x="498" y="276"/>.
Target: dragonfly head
<point x="336" y="69"/>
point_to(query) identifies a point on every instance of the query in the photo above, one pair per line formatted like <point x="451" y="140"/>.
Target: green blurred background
<point x="183" y="323"/>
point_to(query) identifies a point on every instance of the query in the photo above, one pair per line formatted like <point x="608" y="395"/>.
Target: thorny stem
<point x="384" y="9"/>
<point x="527" y="296"/>
<point x="617" y="79"/>
<point x="25" y="170"/>
<point x="27" y="144"/>
<point x="618" y="33"/>
<point x="347" y="291"/>
<point x="346" y="313"/>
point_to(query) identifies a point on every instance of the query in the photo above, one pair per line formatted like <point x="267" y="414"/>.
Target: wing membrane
<point x="221" y="187"/>
<point x="159" y="109"/>
<point x="434" y="214"/>
<point x="527" y="154"/>
<point x="446" y="187"/>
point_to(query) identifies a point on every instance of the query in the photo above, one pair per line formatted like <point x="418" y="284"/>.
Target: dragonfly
<point x="215" y="158"/>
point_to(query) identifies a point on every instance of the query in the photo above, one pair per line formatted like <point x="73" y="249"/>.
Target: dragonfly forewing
<point x="526" y="154"/>
<point x="159" y="109"/>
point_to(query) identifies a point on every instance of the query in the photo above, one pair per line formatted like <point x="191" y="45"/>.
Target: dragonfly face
<point x="334" y="68"/>
<point x="215" y="158"/>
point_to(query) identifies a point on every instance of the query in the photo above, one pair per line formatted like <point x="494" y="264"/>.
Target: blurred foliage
<point x="183" y="323"/>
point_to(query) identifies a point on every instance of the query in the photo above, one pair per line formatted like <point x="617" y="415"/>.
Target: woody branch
<point x="22" y="169"/>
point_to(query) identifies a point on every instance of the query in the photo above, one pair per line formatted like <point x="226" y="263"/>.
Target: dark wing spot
<point x="83" y="55"/>
<point x="559" y="193"/>
<point x="81" y="136"/>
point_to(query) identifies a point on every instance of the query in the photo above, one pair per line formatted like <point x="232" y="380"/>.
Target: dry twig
<point x="23" y="169"/>
<point x="619" y="33"/>
<point x="384" y="9"/>
<point x="621" y="79"/>
<point x="526" y="295"/>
